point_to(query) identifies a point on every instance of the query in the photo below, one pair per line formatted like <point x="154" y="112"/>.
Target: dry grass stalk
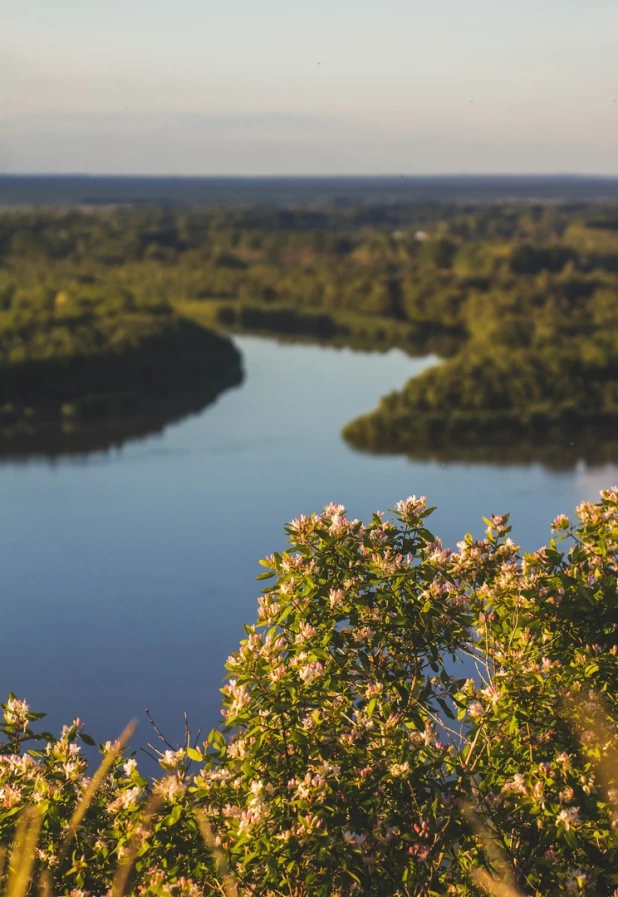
<point x="505" y="885"/>
<point x="493" y="886"/>
<point x="121" y="877"/>
<point x="597" y="738"/>
<point x="23" y="854"/>
<point x="228" y="885"/>
<point x="94" y="785"/>
<point x="45" y="887"/>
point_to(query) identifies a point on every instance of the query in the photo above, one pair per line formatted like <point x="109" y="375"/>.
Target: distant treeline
<point x="294" y="191"/>
<point x="522" y="298"/>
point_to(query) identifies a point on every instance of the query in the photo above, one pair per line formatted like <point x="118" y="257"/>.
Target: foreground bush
<point x="403" y="719"/>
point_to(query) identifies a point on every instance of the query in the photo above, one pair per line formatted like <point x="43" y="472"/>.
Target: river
<point x="127" y="574"/>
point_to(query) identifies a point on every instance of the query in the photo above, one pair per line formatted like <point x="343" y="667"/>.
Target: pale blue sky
<point x="327" y="87"/>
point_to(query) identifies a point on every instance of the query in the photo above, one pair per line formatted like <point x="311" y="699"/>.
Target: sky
<point x="278" y="87"/>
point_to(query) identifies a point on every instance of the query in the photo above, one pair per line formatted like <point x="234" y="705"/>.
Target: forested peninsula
<point x="102" y="309"/>
<point x="75" y="349"/>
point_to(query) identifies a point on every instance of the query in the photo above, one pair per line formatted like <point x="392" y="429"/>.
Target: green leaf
<point x="12" y="812"/>
<point x="173" y="817"/>
<point x="445" y="708"/>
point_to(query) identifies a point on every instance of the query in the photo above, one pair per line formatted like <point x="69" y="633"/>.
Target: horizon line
<point x="382" y="176"/>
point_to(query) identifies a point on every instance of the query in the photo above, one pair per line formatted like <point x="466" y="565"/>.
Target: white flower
<point x="256" y="788"/>
<point x="576" y="882"/>
<point x="306" y="632"/>
<point x="354" y="838"/>
<point x="491" y="694"/>
<point x="125" y="800"/>
<point x="129" y="767"/>
<point x="518" y="785"/>
<point x="170" y="787"/>
<point x="311" y="671"/>
<point x="329" y="769"/>
<point x="336" y="597"/>
<point x="399" y="770"/>
<point x="564" y="760"/>
<point x="568" y="818"/>
<point x="9" y="796"/>
<point x="334" y="510"/>
<point x="172" y="759"/>
<point x="411" y="507"/>
<point x="239" y="695"/>
<point x="16" y="713"/>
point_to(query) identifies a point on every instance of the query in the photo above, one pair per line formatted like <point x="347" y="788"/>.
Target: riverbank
<point x="65" y="372"/>
<point x="344" y="329"/>
<point x="487" y="399"/>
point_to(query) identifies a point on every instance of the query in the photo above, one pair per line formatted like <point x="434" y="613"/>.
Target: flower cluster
<point x="347" y="682"/>
<point x="51" y="774"/>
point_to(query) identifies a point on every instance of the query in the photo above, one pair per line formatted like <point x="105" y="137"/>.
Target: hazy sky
<point x="325" y="87"/>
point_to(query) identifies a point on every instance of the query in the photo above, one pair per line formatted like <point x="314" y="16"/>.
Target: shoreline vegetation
<point x="559" y="445"/>
<point x="62" y="374"/>
<point x="354" y="756"/>
<point x="339" y="329"/>
<point x="104" y="311"/>
<point x="500" y="400"/>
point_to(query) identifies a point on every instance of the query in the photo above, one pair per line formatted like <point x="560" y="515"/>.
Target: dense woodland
<point x="521" y="299"/>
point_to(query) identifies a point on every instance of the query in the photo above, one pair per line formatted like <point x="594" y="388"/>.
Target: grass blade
<point x="228" y="885"/>
<point x="23" y="853"/>
<point x="124" y="869"/>
<point x="94" y="785"/>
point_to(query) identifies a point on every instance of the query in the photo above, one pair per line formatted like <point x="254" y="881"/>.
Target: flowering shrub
<point x="541" y="740"/>
<point x="354" y="755"/>
<point x="54" y="779"/>
<point x="334" y="773"/>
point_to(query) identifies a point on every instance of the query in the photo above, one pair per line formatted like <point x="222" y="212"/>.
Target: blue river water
<point x="127" y="575"/>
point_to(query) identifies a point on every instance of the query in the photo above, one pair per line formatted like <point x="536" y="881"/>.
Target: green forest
<point x="102" y="308"/>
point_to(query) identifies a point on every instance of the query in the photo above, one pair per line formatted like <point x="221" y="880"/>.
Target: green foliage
<point x="527" y="259"/>
<point x="79" y="354"/>
<point x="353" y="758"/>
<point x="485" y="394"/>
<point x="527" y="295"/>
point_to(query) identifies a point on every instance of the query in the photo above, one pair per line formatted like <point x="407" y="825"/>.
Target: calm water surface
<point x="127" y="576"/>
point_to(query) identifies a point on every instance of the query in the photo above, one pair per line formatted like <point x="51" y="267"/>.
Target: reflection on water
<point x="103" y="435"/>
<point x="565" y="450"/>
<point x="127" y="575"/>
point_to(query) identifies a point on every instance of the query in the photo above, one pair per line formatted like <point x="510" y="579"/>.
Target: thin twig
<point x="158" y="731"/>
